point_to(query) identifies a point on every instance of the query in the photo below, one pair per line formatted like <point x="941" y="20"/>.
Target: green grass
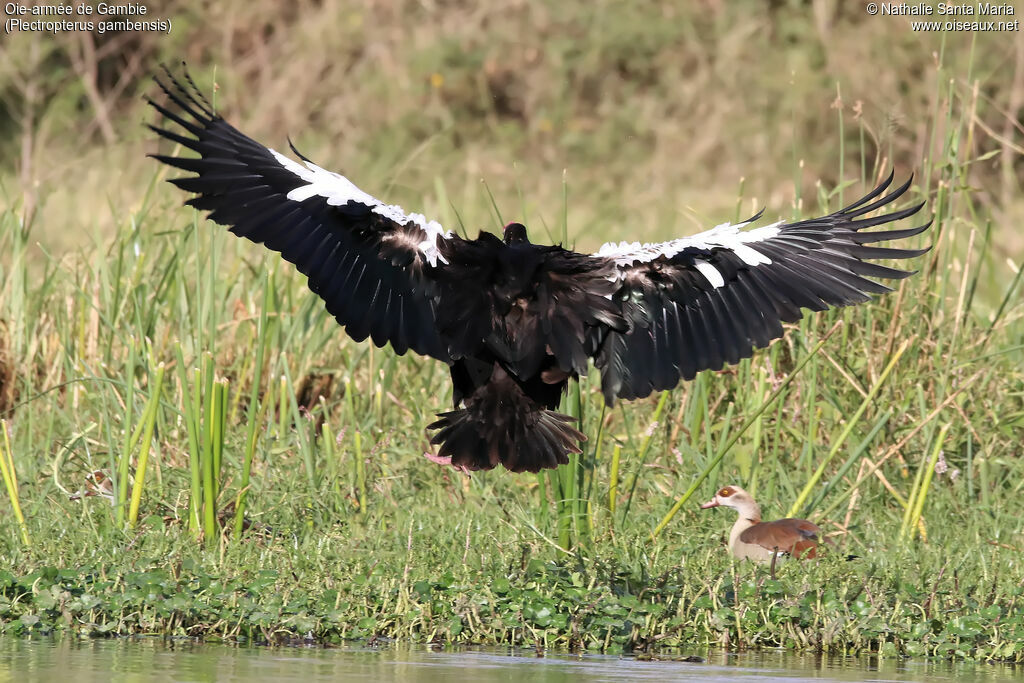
<point x="352" y="533"/>
<point x="284" y="491"/>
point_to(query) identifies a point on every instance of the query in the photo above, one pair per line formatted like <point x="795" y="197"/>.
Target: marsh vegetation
<point x="267" y="474"/>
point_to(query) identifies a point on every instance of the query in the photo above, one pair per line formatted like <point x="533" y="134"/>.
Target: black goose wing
<point x="374" y="266"/>
<point x="699" y="302"/>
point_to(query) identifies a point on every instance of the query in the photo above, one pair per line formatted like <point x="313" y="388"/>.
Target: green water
<point x="24" y="661"/>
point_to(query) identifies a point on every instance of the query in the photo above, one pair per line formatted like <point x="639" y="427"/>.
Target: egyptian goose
<point x="764" y="541"/>
<point x="515" y="321"/>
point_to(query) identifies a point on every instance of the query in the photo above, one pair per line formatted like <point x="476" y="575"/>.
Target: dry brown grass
<point x="656" y="111"/>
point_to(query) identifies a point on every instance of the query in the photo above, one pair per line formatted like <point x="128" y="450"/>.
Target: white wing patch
<point x="339" y="191"/>
<point x="724" y="236"/>
<point x="710" y="272"/>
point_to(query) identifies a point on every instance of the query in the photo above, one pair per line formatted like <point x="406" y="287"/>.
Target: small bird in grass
<point x="765" y="541"/>
<point x="515" y="321"/>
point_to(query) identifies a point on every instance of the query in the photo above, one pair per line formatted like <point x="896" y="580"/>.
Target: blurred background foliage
<point x="655" y="109"/>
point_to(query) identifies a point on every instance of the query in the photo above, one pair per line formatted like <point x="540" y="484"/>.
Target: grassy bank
<point x="268" y="476"/>
<point x="331" y="587"/>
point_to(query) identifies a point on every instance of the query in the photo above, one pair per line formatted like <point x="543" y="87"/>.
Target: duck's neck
<point x="749" y="515"/>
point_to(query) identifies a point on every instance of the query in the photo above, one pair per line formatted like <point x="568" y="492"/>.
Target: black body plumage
<point x="516" y="320"/>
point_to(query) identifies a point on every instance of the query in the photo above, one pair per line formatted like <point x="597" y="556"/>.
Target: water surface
<point x="86" y="661"/>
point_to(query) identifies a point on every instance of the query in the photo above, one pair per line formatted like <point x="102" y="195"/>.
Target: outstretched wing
<point x="699" y="302"/>
<point x="373" y="265"/>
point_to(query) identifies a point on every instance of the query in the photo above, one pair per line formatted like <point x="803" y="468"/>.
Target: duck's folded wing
<point x="796" y="536"/>
<point x="699" y="302"/>
<point x="375" y="267"/>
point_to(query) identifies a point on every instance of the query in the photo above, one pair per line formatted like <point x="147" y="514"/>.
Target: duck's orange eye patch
<point x="726" y="492"/>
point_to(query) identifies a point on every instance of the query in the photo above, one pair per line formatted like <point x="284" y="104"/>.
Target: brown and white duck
<point x="764" y="541"/>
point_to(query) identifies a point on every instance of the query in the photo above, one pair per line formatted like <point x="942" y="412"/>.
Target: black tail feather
<point x="472" y="441"/>
<point x="500" y="425"/>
